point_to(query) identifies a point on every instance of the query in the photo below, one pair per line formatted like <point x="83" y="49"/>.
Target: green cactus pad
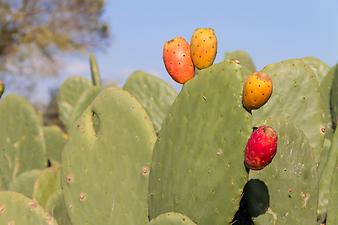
<point x="16" y="209"/>
<point x="325" y="93"/>
<point x="325" y="170"/>
<point x="332" y="212"/>
<point x="106" y="162"/>
<point x="296" y="96"/>
<point x="318" y="66"/>
<point x="155" y="95"/>
<point x="243" y="57"/>
<point x="291" y="178"/>
<point x="55" y="140"/>
<point x="197" y="166"/>
<point x="334" y="95"/>
<point x="94" y="70"/>
<point x="69" y="93"/>
<point x="171" y="218"/>
<point x="46" y="184"/>
<point x="24" y="183"/>
<point x="56" y="207"/>
<point x="328" y="183"/>
<point x="84" y="101"/>
<point x="22" y="142"/>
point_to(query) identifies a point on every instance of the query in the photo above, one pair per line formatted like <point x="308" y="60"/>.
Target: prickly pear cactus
<point x="16" y="209"/>
<point x="155" y="95"/>
<point x="177" y="60"/>
<point x="94" y="70"/>
<point x="55" y="139"/>
<point x="203" y="47"/>
<point x="197" y="166"/>
<point x="295" y="95"/>
<point x="332" y="215"/>
<point x="46" y="184"/>
<point x="83" y="102"/>
<point x="329" y="183"/>
<point x="56" y="207"/>
<point x="106" y="161"/>
<point x="291" y="178"/>
<point x="318" y="66"/>
<point x="332" y="212"/>
<point x="22" y="142"/>
<point x="325" y="94"/>
<point x="24" y="183"/>
<point x="334" y="96"/>
<point x="171" y="218"/>
<point x="325" y="170"/>
<point x="243" y="57"/>
<point x="69" y="93"/>
<point x="2" y="88"/>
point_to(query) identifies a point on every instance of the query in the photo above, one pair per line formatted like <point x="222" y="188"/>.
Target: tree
<point x="34" y="32"/>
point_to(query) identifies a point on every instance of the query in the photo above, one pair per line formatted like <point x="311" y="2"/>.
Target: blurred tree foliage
<point x="34" y="32"/>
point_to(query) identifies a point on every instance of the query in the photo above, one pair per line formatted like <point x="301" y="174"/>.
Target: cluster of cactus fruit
<point x="143" y="154"/>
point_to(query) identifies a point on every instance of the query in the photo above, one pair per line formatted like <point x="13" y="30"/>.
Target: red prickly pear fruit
<point x="177" y="60"/>
<point x="261" y="148"/>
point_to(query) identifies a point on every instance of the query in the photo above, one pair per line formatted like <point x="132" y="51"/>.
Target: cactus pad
<point x="197" y="166"/>
<point x="55" y="140"/>
<point x="16" y="209"/>
<point x="46" y="184"/>
<point x="334" y="95"/>
<point x="155" y="95"/>
<point x="243" y="57"/>
<point x="22" y="142"/>
<point x="83" y="102"/>
<point x="318" y="66"/>
<point x="328" y="184"/>
<point x="296" y="96"/>
<point x="291" y="178"/>
<point x="56" y="207"/>
<point x="171" y="218"/>
<point x="69" y="93"/>
<point x="24" y="183"/>
<point x="106" y="162"/>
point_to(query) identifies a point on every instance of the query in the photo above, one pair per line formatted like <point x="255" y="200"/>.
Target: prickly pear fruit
<point x="2" y="88"/>
<point x="203" y="47"/>
<point x="257" y="90"/>
<point x="177" y="60"/>
<point x="261" y="148"/>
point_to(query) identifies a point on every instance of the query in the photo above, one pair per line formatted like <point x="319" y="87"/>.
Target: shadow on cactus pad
<point x="254" y="202"/>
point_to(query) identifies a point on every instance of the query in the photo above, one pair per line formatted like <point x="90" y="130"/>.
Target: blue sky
<point x="269" y="30"/>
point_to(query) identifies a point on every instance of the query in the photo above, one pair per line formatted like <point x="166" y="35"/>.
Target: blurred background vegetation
<point x="36" y="36"/>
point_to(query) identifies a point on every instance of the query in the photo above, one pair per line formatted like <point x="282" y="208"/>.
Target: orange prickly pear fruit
<point x="177" y="60"/>
<point x="203" y="47"/>
<point x="257" y="90"/>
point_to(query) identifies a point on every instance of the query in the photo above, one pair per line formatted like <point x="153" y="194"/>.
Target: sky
<point x="270" y="31"/>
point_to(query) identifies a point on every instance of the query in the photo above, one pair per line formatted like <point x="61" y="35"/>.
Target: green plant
<point x="145" y="155"/>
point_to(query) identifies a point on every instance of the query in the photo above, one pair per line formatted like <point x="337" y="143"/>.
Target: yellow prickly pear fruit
<point x="2" y="88"/>
<point x="257" y="90"/>
<point x="203" y="47"/>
